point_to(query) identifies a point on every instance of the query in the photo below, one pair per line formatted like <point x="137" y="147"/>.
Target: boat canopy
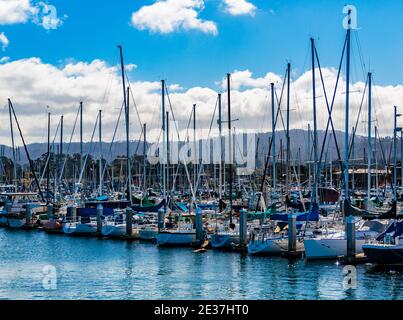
<point x="153" y="208"/>
<point x="311" y="215"/>
<point x="395" y="228"/>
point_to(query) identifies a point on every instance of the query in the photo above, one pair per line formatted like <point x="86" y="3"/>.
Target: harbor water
<point x="91" y="268"/>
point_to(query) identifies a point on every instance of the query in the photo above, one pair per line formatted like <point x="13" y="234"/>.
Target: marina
<point x="160" y="192"/>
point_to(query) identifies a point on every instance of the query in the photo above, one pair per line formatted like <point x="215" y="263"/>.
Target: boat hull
<point x="224" y="241"/>
<point x="114" y="231"/>
<point x="328" y="248"/>
<point x="79" y="229"/>
<point x="175" y="238"/>
<point x="148" y="234"/>
<point x="266" y="247"/>
<point x="384" y="254"/>
<point x="15" y="223"/>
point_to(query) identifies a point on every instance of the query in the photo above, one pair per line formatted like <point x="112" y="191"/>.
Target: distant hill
<point x="298" y="141"/>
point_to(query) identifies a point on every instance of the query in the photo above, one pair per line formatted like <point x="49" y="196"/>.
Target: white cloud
<point x="239" y="7"/>
<point x="4" y="59"/>
<point x="23" y="11"/>
<point x="166" y="16"/>
<point x="4" y="41"/>
<point x="33" y="84"/>
<point x="16" y="11"/>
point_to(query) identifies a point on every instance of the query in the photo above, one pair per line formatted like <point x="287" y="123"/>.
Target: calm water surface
<point x="89" y="268"/>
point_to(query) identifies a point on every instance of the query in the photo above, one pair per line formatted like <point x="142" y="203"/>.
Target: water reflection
<point x="89" y="268"/>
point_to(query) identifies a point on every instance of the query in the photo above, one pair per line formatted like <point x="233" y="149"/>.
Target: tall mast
<point x="401" y="159"/>
<point x="369" y="151"/>
<point x="287" y="170"/>
<point x="100" y="153"/>
<point x="308" y="155"/>
<point x="163" y="145"/>
<point x="61" y="152"/>
<point x="81" y="136"/>
<point x="195" y="150"/>
<point x="168" y="150"/>
<point x="13" y="145"/>
<point x="220" y="142"/>
<point x="346" y="128"/>
<point x="376" y="160"/>
<point x="315" y="128"/>
<point x="126" y="105"/>
<point x="144" y="158"/>
<point x="128" y="157"/>
<point x="395" y="129"/>
<point x="229" y="143"/>
<point x="273" y="138"/>
<point x="48" y="166"/>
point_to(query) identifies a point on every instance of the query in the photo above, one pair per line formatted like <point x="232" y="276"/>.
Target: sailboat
<point x="226" y="235"/>
<point x="179" y="232"/>
<point x="388" y="250"/>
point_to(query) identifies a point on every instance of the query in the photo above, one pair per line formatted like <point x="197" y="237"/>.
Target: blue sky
<point x="279" y="31"/>
<point x="59" y="60"/>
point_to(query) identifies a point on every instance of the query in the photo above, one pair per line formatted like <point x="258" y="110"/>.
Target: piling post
<point x="8" y="206"/>
<point x="100" y="213"/>
<point x="129" y="222"/>
<point x="292" y="232"/>
<point x="161" y="219"/>
<point x="350" y="232"/>
<point x="243" y="227"/>
<point x="28" y="214"/>
<point x="199" y="225"/>
<point x="50" y="211"/>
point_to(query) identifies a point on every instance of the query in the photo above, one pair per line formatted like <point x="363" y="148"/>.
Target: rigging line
<point x="134" y="100"/>
<point x="113" y="138"/>
<point x="68" y="147"/>
<point x="269" y="151"/>
<point x="363" y="66"/>
<point x="49" y="155"/>
<point x="208" y="137"/>
<point x="330" y="109"/>
<point x="91" y="144"/>
<point x="356" y="123"/>
<point x="172" y="112"/>
<point x="319" y="166"/>
<point x="26" y="151"/>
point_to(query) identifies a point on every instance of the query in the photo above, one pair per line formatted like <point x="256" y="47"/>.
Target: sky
<point x="56" y="53"/>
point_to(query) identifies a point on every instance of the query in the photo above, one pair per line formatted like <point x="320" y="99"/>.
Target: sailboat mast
<point x="220" y="143"/>
<point x="315" y="128"/>
<point x="346" y="128"/>
<point x="168" y="150"/>
<point x="61" y="153"/>
<point x="369" y="151"/>
<point x="287" y="176"/>
<point x="229" y="144"/>
<point x="273" y="138"/>
<point x="128" y="158"/>
<point x="48" y="166"/>
<point x="163" y="145"/>
<point x="376" y="160"/>
<point x="81" y="136"/>
<point x="100" y="153"/>
<point x="195" y="150"/>
<point x="395" y="129"/>
<point x="144" y="158"/>
<point x="13" y="146"/>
